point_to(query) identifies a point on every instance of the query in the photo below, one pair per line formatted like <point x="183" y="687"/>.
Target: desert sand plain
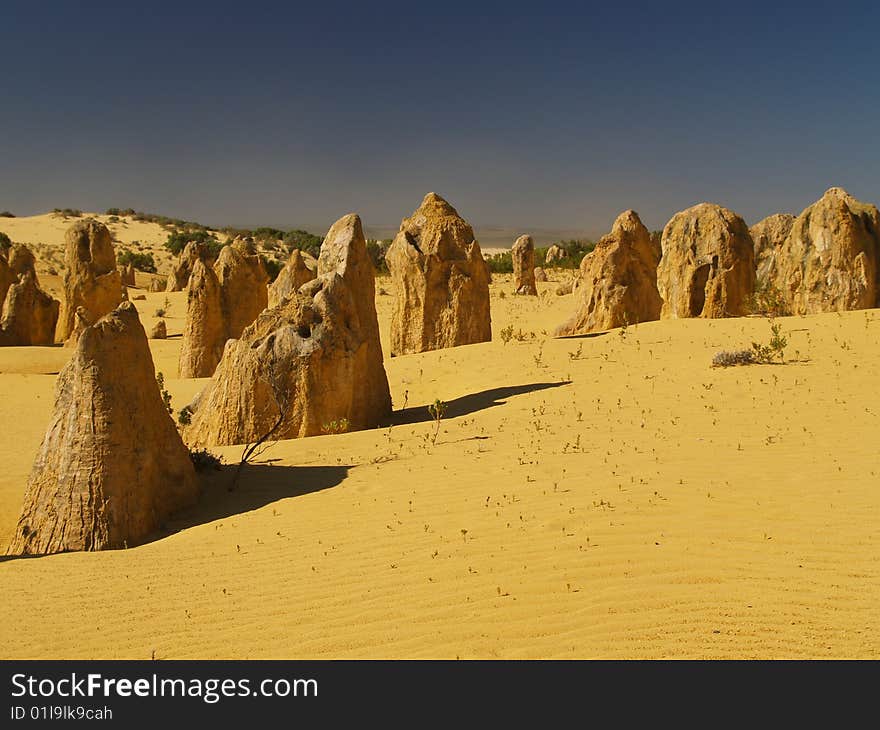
<point x="608" y="495"/>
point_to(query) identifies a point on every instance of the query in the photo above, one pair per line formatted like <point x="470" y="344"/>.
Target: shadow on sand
<point x="258" y="485"/>
<point x="468" y="404"/>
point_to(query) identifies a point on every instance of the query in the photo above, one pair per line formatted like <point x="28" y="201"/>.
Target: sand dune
<point x="598" y="496"/>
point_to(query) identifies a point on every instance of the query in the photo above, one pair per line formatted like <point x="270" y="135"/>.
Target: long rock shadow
<point x="258" y="485"/>
<point x="468" y="404"/>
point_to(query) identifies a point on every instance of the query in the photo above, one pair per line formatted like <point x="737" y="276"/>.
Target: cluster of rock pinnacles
<point x="290" y="358"/>
<point x="709" y="263"/>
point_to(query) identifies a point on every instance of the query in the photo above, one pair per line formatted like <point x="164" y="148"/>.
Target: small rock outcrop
<point x="555" y="254"/>
<point x="441" y="281"/>
<point x="21" y="260"/>
<point x="126" y="273"/>
<point x="243" y="285"/>
<point x="91" y="279"/>
<point x="112" y="465"/>
<point x="830" y="259"/>
<point x="523" y="255"/>
<point x="30" y="315"/>
<point x="7" y="278"/>
<point x="182" y="268"/>
<point x="707" y="268"/>
<point x="540" y="274"/>
<point x="618" y="280"/>
<point x="308" y="366"/>
<point x="294" y="274"/>
<point x="768" y="236"/>
<point x="159" y="331"/>
<point x="204" y="332"/>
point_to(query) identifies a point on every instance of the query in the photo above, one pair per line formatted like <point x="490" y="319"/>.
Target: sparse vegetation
<point x="140" y="261"/>
<point x="768" y="301"/>
<point x="166" y="396"/>
<point x="203" y="460"/>
<point x="184" y="416"/>
<point x="7" y="214"/>
<point x="437" y="410"/>
<point x="273" y="267"/>
<point x="178" y="239"/>
<point x="336" y="426"/>
<point x="730" y="358"/>
<point x="68" y="212"/>
<point x="760" y="354"/>
<point x="376" y="251"/>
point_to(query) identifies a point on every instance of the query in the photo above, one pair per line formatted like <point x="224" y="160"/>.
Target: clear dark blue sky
<point x="541" y="115"/>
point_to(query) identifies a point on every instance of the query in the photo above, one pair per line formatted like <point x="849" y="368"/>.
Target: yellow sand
<point x="608" y="496"/>
<point x="44" y="235"/>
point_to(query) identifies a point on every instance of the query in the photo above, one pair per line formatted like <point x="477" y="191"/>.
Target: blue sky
<point x="547" y="115"/>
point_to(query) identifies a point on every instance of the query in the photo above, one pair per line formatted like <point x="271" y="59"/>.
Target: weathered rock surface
<point x="112" y="465"/>
<point x="182" y="268"/>
<point x="30" y="315"/>
<point x="310" y="365"/>
<point x="126" y="273"/>
<point x="159" y="331"/>
<point x="540" y="274"/>
<point x="523" y="255"/>
<point x="830" y="259"/>
<point x="441" y="281"/>
<point x="294" y="274"/>
<point x="768" y="236"/>
<point x="7" y="278"/>
<point x="344" y="252"/>
<point x="243" y="285"/>
<point x="21" y="260"/>
<point x="618" y="280"/>
<point x="91" y="279"/>
<point x="707" y="267"/>
<point x="204" y="332"/>
<point x="555" y="254"/>
<point x="157" y="284"/>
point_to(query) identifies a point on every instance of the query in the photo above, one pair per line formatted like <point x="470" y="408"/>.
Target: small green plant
<point x="760" y="354"/>
<point x="166" y="396"/>
<point x="437" y="410"/>
<point x="184" y="416"/>
<point x="507" y="334"/>
<point x="577" y="354"/>
<point x="767" y="300"/>
<point x="539" y="358"/>
<point x="336" y="426"/>
<point x="773" y="350"/>
<point x="204" y="460"/>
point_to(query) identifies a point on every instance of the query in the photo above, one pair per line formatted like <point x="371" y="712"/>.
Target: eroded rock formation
<point x="310" y="365"/>
<point x="294" y="274"/>
<point x="829" y="261"/>
<point x="91" y="279"/>
<point x="768" y="236"/>
<point x="204" y="332"/>
<point x="441" y="281"/>
<point x="30" y="315"/>
<point x="112" y="465"/>
<point x="523" y="255"/>
<point x="243" y="285"/>
<point x="707" y="268"/>
<point x="618" y="280"/>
